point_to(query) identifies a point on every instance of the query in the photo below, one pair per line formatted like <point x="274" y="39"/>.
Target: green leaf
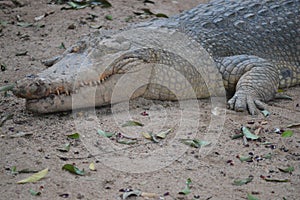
<point x="202" y="143"/>
<point x="240" y="182"/>
<point x="62" y="46"/>
<point x="251" y="197"/>
<point x="245" y="158"/>
<point x="34" y="193"/>
<point x="34" y="177"/>
<point x="163" y="134"/>
<point x="265" y="113"/>
<point x="75" y="136"/>
<point x="65" y="148"/>
<point x="187" y="189"/>
<point x="77" y="5"/>
<point x="287" y="170"/>
<point x="248" y="134"/>
<point x="236" y="136"/>
<point x="195" y="143"/>
<point x="132" y="123"/>
<point x="74" y="170"/>
<point x="287" y="133"/>
<point x="24" y="24"/>
<point x="108" y="17"/>
<point x="13" y="170"/>
<point x="105" y="134"/>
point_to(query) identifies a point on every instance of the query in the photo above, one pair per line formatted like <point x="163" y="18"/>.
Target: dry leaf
<point x="34" y="177"/>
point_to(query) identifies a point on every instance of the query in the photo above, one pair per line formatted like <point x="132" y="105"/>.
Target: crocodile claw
<point x="242" y="102"/>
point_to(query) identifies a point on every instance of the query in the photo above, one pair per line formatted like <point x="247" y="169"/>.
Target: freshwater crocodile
<point x="254" y="44"/>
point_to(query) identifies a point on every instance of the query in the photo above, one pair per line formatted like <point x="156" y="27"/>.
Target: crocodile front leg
<point x="253" y="79"/>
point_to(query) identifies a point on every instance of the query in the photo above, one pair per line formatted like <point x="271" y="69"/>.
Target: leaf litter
<point x="34" y="193"/>
<point x="196" y="143"/>
<point x="65" y="148"/>
<point x="251" y="197"/>
<point x="80" y="4"/>
<point x="187" y="189"/>
<point x="287" y="133"/>
<point x="92" y="166"/>
<point x="74" y="136"/>
<point x="132" y="123"/>
<point x="105" y="134"/>
<point x="239" y="182"/>
<point x="289" y="169"/>
<point x="248" y="134"/>
<point x="34" y="177"/>
<point x="73" y="169"/>
<point x="155" y="137"/>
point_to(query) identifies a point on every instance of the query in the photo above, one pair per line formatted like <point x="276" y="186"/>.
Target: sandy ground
<point x="161" y="168"/>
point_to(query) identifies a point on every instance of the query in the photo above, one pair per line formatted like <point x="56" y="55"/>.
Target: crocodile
<point x="254" y="46"/>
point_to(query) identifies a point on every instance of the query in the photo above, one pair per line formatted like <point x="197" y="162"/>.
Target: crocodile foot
<point x="243" y="101"/>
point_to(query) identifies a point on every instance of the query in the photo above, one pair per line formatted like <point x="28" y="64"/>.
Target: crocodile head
<point x="84" y="77"/>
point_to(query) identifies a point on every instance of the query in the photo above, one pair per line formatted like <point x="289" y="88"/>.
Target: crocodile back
<point x="268" y="29"/>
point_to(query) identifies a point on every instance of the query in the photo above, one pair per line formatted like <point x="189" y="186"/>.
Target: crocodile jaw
<point x="81" y="90"/>
<point x="85" y="97"/>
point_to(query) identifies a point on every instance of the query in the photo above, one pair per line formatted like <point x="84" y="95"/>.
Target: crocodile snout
<point x="31" y="88"/>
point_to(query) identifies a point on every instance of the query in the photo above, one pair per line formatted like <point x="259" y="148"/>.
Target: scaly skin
<point x="255" y="46"/>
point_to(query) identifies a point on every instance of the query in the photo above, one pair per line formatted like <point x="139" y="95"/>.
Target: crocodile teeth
<point x="81" y="84"/>
<point x="99" y="82"/>
<point x="67" y="93"/>
<point x="94" y="83"/>
<point x="103" y="79"/>
<point x="57" y="92"/>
